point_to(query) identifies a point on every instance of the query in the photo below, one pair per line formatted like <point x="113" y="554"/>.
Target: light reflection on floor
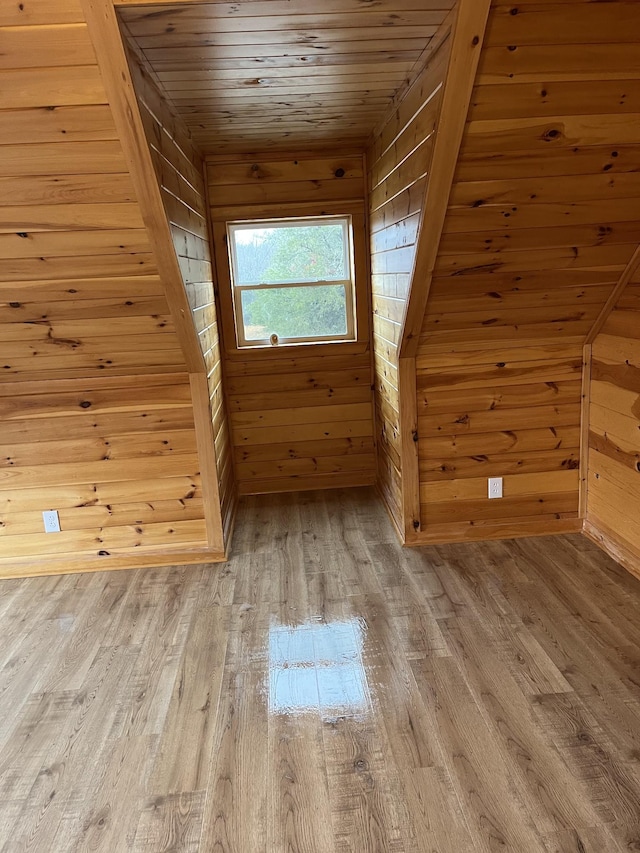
<point x="317" y="668"/>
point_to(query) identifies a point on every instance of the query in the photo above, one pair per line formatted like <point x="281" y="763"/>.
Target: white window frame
<point x="348" y="284"/>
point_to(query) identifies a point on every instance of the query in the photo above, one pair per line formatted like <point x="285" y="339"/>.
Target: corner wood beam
<point x="468" y="35"/>
<point x="585" y="415"/>
<point x="102" y="22"/>
<point x="205" y="442"/>
<point x="616" y="293"/>
<point x="410" y="473"/>
<point x="114" y="68"/>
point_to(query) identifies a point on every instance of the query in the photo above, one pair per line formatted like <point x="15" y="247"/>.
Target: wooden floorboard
<point x="326" y="690"/>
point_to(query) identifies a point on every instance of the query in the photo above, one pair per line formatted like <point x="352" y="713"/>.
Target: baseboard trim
<point x="313" y="483"/>
<point x="77" y="563"/>
<point x="605" y="538"/>
<point x="513" y="529"/>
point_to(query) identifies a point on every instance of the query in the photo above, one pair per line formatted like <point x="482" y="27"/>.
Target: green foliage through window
<point x="295" y="312"/>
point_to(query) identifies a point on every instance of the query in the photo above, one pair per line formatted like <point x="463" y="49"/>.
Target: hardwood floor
<point x="326" y="690"/>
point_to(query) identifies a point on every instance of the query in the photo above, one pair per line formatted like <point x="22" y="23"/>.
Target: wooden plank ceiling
<point x="269" y="74"/>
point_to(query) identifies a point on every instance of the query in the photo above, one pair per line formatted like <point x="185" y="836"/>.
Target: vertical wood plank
<point x="409" y="447"/>
<point x="207" y="456"/>
<point x="584" y="430"/>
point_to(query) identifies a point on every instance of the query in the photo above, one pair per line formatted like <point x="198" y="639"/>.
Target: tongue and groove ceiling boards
<point x="268" y="74"/>
<point x="542" y="219"/>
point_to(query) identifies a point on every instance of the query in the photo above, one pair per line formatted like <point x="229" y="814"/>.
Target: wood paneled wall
<point x="97" y="419"/>
<point x="543" y="217"/>
<point x="180" y="174"/>
<point x="301" y="418"/>
<point x="613" y="502"/>
<point x="544" y="212"/>
<point x="517" y="418"/>
<point x="399" y="159"/>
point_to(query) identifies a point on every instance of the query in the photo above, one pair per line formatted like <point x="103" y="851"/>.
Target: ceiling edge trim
<point x="466" y="47"/>
<point x="614" y="296"/>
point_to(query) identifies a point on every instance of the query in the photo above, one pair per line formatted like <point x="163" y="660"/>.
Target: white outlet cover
<point x="51" y="521"/>
<point x="495" y="487"/>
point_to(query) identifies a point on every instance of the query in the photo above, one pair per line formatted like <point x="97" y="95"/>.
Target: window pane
<point x="290" y="253"/>
<point x="294" y="312"/>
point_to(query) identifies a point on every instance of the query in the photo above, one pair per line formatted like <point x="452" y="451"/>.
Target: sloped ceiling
<point x="544" y="212"/>
<point x="262" y="75"/>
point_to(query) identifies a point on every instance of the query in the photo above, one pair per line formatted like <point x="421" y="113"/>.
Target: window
<point x="292" y="280"/>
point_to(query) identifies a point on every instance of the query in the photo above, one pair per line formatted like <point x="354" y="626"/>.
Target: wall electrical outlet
<point x="495" y="487"/>
<point x="51" y="521"/>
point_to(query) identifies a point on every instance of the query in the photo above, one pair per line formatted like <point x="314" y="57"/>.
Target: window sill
<point x="298" y="350"/>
